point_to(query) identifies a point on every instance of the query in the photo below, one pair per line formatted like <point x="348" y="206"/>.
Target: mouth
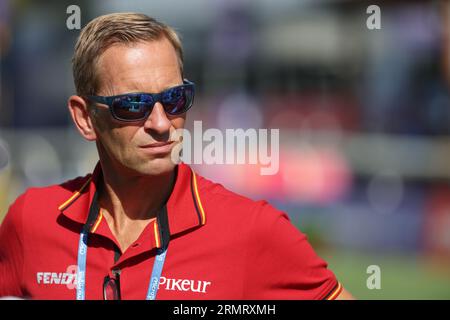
<point x="158" y="147"/>
<point x="157" y="144"/>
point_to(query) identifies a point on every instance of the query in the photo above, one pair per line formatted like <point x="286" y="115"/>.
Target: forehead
<point x="150" y="66"/>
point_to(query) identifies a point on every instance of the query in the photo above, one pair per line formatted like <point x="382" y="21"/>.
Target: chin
<point x="154" y="167"/>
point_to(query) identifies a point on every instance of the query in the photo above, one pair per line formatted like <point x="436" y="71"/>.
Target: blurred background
<point x="364" y="119"/>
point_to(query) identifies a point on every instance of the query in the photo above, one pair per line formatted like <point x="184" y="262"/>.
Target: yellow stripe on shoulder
<point x="155" y="226"/>
<point x="336" y="292"/>
<point x="97" y="223"/>
<point x="197" y="196"/>
<point x="74" y="195"/>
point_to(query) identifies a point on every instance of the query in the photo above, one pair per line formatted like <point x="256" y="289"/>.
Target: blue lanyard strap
<point x="156" y="274"/>
<point x="81" y="270"/>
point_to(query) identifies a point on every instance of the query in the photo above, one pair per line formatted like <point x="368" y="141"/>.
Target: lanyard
<point x="81" y="274"/>
<point x="157" y="264"/>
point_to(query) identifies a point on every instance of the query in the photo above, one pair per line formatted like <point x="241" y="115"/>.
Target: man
<point x="142" y="226"/>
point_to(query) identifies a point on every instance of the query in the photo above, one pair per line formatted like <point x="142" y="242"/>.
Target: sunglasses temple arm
<point x="99" y="99"/>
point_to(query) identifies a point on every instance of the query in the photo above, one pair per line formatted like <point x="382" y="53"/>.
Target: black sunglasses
<point x="111" y="287"/>
<point x="138" y="106"/>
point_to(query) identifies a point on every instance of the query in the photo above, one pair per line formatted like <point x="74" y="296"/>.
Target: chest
<point x="192" y="270"/>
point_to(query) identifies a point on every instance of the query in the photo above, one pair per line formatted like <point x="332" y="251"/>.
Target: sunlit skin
<point x="137" y="181"/>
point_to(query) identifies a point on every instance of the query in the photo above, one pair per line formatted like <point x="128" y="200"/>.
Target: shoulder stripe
<point x="97" y="223"/>
<point x="155" y="226"/>
<point x="75" y="195"/>
<point x="198" y="200"/>
<point x="335" y="292"/>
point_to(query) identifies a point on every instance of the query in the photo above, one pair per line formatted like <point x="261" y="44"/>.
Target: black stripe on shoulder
<point x="332" y="291"/>
<point x="195" y="199"/>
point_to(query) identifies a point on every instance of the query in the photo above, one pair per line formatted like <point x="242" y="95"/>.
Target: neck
<point x="128" y="199"/>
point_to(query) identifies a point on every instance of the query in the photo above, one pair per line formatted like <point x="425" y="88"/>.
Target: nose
<point x="158" y="121"/>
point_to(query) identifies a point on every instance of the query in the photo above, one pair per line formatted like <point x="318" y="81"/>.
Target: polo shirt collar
<point x="184" y="207"/>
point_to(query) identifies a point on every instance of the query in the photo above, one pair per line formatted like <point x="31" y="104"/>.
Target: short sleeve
<point x="281" y="264"/>
<point x="11" y="251"/>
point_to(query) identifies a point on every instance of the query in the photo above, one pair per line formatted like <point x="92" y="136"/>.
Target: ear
<point x="80" y="116"/>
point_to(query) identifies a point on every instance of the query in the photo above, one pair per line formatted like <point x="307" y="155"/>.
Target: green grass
<point x="402" y="276"/>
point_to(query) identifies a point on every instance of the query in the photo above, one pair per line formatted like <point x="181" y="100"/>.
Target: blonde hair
<point x="104" y="31"/>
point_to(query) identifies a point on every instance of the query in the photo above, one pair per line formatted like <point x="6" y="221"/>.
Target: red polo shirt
<point x="222" y="246"/>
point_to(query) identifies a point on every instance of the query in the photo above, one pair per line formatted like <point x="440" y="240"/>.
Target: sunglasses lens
<point x="132" y="107"/>
<point x="178" y="100"/>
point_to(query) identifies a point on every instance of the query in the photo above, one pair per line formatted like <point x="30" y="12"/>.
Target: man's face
<point x="149" y="67"/>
